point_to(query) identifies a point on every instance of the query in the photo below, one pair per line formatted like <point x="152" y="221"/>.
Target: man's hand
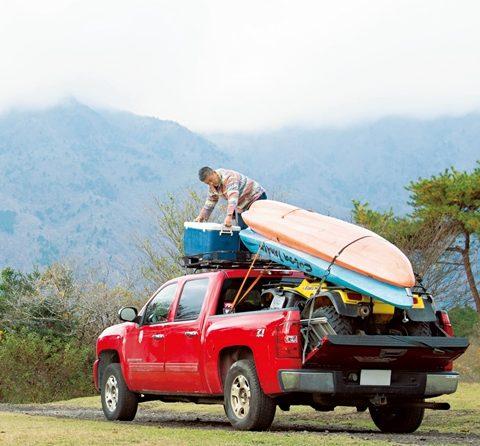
<point x="228" y="221"/>
<point x="200" y="218"/>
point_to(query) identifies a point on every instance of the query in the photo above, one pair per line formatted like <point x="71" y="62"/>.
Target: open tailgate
<point x="399" y="352"/>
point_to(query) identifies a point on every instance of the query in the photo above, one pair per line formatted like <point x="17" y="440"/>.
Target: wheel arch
<point x="229" y="355"/>
<point x="106" y="357"/>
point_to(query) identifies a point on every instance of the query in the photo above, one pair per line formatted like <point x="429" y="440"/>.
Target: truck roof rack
<point x="227" y="260"/>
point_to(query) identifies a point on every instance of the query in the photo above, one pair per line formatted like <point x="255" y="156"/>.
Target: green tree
<point x="464" y="320"/>
<point x="13" y="282"/>
<point x="57" y="303"/>
<point x="453" y="199"/>
<point x="401" y="231"/>
<point x="439" y="234"/>
<point x="163" y="252"/>
<point x="13" y="286"/>
<point x="41" y="302"/>
<point x="424" y="243"/>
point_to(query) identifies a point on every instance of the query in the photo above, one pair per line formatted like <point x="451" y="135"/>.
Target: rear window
<point x="191" y="300"/>
<point x="253" y="301"/>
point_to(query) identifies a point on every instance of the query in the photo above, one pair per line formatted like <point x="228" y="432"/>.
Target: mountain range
<point x="77" y="182"/>
<point x="325" y="168"/>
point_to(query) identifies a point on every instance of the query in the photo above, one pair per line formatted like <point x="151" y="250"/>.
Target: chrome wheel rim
<point x="111" y="393"/>
<point x="240" y="396"/>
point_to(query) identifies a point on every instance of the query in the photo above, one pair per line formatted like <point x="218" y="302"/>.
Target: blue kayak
<point x="314" y="266"/>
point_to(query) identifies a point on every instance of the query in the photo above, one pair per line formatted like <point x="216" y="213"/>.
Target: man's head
<point x="208" y="176"/>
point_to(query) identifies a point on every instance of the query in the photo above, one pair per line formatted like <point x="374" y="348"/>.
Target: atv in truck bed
<point x="282" y="340"/>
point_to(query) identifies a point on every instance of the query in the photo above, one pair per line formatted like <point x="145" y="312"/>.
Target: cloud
<point x="225" y="65"/>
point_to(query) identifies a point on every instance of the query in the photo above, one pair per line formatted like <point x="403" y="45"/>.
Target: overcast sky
<point x="244" y="65"/>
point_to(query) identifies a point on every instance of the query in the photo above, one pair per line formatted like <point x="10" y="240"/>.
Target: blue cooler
<point x="205" y="238"/>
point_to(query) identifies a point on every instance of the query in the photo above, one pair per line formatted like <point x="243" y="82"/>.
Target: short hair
<point x="204" y="172"/>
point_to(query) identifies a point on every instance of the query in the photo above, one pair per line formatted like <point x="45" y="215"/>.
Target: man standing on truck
<point x="239" y="191"/>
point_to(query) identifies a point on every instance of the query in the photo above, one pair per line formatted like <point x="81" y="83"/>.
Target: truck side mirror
<point x="128" y="314"/>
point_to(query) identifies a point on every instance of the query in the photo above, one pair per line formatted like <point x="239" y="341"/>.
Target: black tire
<point x="399" y="420"/>
<point x="342" y="325"/>
<point x="261" y="409"/>
<point x="124" y="406"/>
<point x="419" y="329"/>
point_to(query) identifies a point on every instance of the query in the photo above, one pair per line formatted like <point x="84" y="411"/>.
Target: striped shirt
<point x="239" y="191"/>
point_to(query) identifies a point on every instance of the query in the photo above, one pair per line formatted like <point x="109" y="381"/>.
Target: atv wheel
<point x="419" y="329"/>
<point x="342" y="325"/>
<point x="397" y="420"/>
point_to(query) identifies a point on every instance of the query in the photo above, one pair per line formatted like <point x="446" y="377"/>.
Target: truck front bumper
<point x="343" y="384"/>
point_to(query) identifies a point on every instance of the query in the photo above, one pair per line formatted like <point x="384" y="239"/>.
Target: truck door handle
<point x="191" y="334"/>
<point x="158" y="336"/>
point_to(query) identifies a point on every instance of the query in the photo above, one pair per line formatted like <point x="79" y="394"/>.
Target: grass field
<point x="189" y="424"/>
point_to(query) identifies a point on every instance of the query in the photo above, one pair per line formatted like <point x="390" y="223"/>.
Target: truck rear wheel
<point x="118" y="402"/>
<point x="246" y="406"/>
<point x="397" y="420"/>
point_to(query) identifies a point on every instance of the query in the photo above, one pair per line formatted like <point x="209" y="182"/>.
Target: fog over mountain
<point x="328" y="167"/>
<point x="76" y="181"/>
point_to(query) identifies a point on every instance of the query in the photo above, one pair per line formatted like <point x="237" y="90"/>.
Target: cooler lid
<point x="207" y="226"/>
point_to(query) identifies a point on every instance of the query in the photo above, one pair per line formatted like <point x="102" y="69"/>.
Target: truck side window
<point x="158" y="308"/>
<point x="191" y="300"/>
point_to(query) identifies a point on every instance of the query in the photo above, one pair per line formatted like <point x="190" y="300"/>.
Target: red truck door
<point x="183" y="340"/>
<point x="145" y="344"/>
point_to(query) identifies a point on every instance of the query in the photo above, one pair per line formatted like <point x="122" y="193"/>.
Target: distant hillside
<point x="326" y="168"/>
<point x="76" y="181"/>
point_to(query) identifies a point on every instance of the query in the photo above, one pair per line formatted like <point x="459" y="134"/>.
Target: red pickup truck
<point x="181" y="346"/>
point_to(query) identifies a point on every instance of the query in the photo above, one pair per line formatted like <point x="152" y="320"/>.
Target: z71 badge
<point x="260" y="332"/>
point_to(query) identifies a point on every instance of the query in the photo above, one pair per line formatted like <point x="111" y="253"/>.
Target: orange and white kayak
<point x="356" y="248"/>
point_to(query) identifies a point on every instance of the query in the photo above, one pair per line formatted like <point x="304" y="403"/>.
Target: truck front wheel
<point x="118" y="402"/>
<point x="246" y="406"/>
<point x="397" y="420"/>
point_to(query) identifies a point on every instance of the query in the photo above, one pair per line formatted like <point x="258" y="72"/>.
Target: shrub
<point x="468" y="365"/>
<point x="49" y="322"/>
<point x="39" y="368"/>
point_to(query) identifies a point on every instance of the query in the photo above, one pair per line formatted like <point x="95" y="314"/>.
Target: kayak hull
<point x="325" y="237"/>
<point x="400" y="297"/>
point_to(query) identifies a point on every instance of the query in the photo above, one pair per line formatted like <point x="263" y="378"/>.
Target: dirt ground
<point x="435" y="429"/>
